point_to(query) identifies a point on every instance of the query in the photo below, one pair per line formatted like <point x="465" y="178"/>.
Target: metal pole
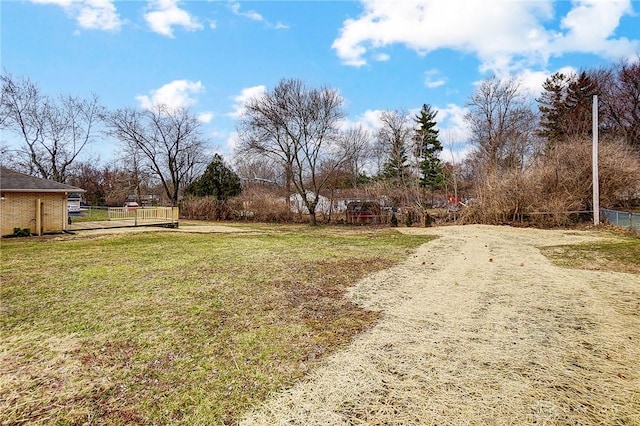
<point x="596" y="188"/>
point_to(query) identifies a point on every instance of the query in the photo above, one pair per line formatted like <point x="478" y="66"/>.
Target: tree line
<point x="294" y="138"/>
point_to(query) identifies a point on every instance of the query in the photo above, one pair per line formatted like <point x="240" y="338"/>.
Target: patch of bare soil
<point x="188" y="228"/>
<point x="478" y="327"/>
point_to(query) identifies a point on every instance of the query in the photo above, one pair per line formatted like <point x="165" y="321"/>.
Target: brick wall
<point x="18" y="210"/>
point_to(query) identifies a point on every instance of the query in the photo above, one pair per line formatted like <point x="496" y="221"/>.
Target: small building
<point x="28" y="202"/>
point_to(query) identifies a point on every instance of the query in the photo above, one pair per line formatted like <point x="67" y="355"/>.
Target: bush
<point x="205" y="208"/>
<point x="409" y="219"/>
<point x="21" y="232"/>
<point x="556" y="186"/>
<point x="261" y="204"/>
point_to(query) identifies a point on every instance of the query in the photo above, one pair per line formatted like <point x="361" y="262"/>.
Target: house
<point x="37" y="204"/>
<point x="298" y="205"/>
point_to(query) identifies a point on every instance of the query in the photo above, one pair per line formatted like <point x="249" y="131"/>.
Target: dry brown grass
<point x="555" y="184"/>
<point x="175" y="327"/>
<point x="480" y="328"/>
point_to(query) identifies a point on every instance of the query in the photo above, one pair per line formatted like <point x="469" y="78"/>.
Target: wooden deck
<point x="123" y="218"/>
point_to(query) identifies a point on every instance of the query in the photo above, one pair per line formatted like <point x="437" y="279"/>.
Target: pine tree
<point x="565" y="107"/>
<point x="392" y="138"/>
<point x="218" y="181"/>
<point x="553" y="110"/>
<point x="397" y="165"/>
<point x="428" y="148"/>
<point x="578" y="102"/>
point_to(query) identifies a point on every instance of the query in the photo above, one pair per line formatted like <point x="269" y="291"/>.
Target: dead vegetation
<point x="479" y="328"/>
<point x="556" y="187"/>
<point x="175" y="327"/>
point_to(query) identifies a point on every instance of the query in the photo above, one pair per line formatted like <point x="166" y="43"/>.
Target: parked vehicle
<point x="363" y="212"/>
<point x="131" y="206"/>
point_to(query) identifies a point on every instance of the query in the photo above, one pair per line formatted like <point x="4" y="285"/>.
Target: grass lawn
<point x="173" y="328"/>
<point x="621" y="255"/>
<point x="92" y="215"/>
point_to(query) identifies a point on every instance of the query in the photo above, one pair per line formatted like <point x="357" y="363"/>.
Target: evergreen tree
<point x="565" y="107"/>
<point x="428" y="147"/>
<point x="393" y="138"/>
<point x="553" y="110"/>
<point x="578" y="102"/>
<point x="397" y="165"/>
<point x="218" y="181"/>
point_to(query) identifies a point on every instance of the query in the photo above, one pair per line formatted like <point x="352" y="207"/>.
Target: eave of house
<point x="66" y="191"/>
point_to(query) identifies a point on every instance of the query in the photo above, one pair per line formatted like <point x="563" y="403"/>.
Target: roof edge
<point x="42" y="190"/>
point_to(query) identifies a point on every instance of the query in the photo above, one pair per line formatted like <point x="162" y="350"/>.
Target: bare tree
<point x="297" y="127"/>
<point x="258" y="171"/>
<point x="52" y="132"/>
<point x="394" y="140"/>
<point x="357" y="141"/>
<point x="168" y="140"/>
<point x="620" y="100"/>
<point x="502" y="124"/>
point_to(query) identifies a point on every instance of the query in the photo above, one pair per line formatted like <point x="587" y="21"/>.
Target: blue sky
<point x="380" y="54"/>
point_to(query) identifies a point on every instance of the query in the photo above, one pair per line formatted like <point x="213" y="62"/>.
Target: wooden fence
<point x="145" y="215"/>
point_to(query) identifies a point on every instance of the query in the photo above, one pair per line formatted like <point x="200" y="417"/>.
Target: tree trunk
<point x="312" y="215"/>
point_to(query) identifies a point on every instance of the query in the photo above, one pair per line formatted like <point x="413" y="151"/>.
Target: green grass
<point x="168" y="328"/>
<point x="92" y="215"/>
<point x="620" y="254"/>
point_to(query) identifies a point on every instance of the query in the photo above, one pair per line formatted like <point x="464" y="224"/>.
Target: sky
<point x="210" y="56"/>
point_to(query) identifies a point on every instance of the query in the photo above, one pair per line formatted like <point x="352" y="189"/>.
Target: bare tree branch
<point x="297" y="127"/>
<point x="53" y="132"/>
<point x="169" y="141"/>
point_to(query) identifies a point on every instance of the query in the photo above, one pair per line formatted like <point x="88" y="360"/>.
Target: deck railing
<point x="145" y="215"/>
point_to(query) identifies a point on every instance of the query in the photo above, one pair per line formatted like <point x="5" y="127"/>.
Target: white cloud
<point x="590" y="26"/>
<point x="245" y="95"/>
<point x="253" y="15"/>
<point x="205" y="117"/>
<point x="174" y="95"/>
<point x="504" y="35"/>
<point x="531" y="81"/>
<point x="382" y="57"/>
<point x="61" y="3"/>
<point x="90" y="14"/>
<point x="166" y="14"/>
<point x="368" y="120"/>
<point x="432" y="79"/>
<point x="234" y="6"/>
<point x="454" y="132"/>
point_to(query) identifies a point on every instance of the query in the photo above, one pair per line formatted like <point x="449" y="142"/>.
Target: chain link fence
<point x="621" y="219"/>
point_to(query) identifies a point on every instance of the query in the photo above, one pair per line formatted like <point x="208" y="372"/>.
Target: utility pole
<point x="596" y="187"/>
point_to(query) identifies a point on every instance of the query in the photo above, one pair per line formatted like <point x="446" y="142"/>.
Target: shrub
<point x="205" y="208"/>
<point x="394" y="220"/>
<point x="261" y="205"/>
<point x="21" y="232"/>
<point x="555" y="185"/>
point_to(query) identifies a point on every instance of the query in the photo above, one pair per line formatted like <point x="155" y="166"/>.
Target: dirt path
<point x="480" y="328"/>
